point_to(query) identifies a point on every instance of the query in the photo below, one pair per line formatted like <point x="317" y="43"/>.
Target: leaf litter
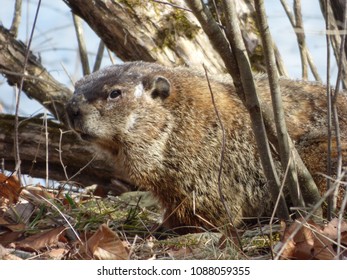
<point x="38" y="223"/>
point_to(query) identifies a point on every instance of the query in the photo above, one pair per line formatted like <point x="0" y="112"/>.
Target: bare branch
<point x="330" y="200"/>
<point x="99" y="56"/>
<point x="301" y="38"/>
<point x="16" y="18"/>
<point x="299" y="31"/>
<point x="81" y="44"/>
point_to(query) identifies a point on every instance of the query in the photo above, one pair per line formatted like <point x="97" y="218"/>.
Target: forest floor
<point x="36" y="223"/>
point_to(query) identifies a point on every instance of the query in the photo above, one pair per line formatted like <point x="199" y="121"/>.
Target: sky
<point x="55" y="42"/>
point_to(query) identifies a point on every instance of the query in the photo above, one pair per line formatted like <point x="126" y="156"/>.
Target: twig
<point x="276" y="205"/>
<point x="64" y="166"/>
<point x="61" y="152"/>
<point x="279" y="62"/>
<point x="81" y="44"/>
<point x="301" y="38"/>
<point x="300" y="34"/>
<point x="67" y="74"/>
<point x="173" y="5"/>
<point x="337" y="131"/>
<point x="17" y="16"/>
<point x="16" y="123"/>
<point x="217" y="13"/>
<point x="47" y="147"/>
<point x="227" y="209"/>
<point x="99" y="56"/>
<point x="110" y="56"/>
<point x="331" y="207"/>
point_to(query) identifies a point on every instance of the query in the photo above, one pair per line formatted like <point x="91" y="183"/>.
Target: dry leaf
<point x="44" y="239"/>
<point x="11" y="226"/>
<point x="330" y="230"/>
<point x="8" y="237"/>
<point x="106" y="245"/>
<point x="13" y="231"/>
<point x="56" y="254"/>
<point x="9" y="188"/>
<point x="309" y="243"/>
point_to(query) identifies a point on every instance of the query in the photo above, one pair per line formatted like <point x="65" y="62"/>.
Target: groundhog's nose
<point x="73" y="109"/>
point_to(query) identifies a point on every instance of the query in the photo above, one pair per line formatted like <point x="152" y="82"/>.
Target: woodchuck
<point x="160" y="128"/>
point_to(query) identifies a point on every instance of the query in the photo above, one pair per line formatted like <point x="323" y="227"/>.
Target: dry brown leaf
<point x="56" y="254"/>
<point x="14" y="231"/>
<point x="344" y="238"/>
<point x="330" y="230"/>
<point x="105" y="244"/>
<point x="309" y="243"/>
<point x="44" y="239"/>
<point x="11" y="226"/>
<point x="9" y="188"/>
<point x="9" y="237"/>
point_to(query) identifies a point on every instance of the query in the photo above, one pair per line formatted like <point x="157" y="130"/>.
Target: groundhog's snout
<point x="73" y="110"/>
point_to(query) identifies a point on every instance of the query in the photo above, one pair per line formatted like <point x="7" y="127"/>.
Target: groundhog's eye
<point x="115" y="93"/>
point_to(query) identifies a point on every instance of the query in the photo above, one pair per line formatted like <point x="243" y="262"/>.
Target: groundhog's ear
<point x="161" y="87"/>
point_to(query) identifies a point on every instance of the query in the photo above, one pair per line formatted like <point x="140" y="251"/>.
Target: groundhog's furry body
<point x="160" y="127"/>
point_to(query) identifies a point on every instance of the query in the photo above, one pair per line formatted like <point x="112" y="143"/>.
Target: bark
<point x="149" y="31"/>
<point x="162" y="31"/>
<point x="38" y="83"/>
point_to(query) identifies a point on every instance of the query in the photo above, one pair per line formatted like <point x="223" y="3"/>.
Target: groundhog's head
<point x="119" y="103"/>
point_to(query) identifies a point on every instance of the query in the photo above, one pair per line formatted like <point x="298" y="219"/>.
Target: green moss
<point x="175" y="24"/>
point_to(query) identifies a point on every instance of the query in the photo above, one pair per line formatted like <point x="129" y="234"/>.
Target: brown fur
<point x="163" y="134"/>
